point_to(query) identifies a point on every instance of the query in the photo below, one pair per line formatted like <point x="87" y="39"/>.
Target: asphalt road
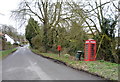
<point x="25" y="65"/>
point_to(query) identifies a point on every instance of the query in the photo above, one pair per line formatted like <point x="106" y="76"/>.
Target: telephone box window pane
<point x="92" y="49"/>
<point x="86" y="57"/>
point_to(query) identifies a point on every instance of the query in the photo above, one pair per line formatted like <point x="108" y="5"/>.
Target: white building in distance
<point x="9" y="39"/>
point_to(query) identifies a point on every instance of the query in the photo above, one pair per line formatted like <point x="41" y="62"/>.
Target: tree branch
<point x="98" y="6"/>
<point x="40" y="10"/>
<point x="33" y="11"/>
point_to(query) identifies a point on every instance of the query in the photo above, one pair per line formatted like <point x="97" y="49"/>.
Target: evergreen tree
<point x="31" y="30"/>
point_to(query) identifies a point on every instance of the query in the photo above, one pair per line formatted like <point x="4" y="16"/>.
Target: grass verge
<point x="100" y="68"/>
<point x="5" y="53"/>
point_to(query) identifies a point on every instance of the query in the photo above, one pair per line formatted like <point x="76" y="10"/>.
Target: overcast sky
<point x="6" y="6"/>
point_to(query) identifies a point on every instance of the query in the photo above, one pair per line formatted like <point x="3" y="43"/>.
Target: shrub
<point x="37" y="43"/>
<point x="8" y="45"/>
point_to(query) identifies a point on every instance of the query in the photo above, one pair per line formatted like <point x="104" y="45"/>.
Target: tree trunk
<point x="45" y="38"/>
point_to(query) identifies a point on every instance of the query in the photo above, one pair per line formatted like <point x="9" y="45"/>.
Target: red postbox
<point x="59" y="48"/>
<point x="90" y="50"/>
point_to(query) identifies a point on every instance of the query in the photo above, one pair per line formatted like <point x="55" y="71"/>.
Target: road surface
<point x="25" y="65"/>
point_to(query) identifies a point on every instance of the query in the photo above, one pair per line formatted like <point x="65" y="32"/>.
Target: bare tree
<point x="102" y="18"/>
<point x="107" y="19"/>
<point x="47" y="12"/>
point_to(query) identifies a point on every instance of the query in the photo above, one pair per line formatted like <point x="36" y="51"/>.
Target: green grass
<point x="5" y="53"/>
<point x="102" y="68"/>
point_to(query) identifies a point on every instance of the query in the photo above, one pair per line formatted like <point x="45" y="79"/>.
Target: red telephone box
<point x="90" y="50"/>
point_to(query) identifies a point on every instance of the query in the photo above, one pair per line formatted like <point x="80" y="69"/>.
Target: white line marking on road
<point x="24" y="49"/>
<point x="38" y="71"/>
